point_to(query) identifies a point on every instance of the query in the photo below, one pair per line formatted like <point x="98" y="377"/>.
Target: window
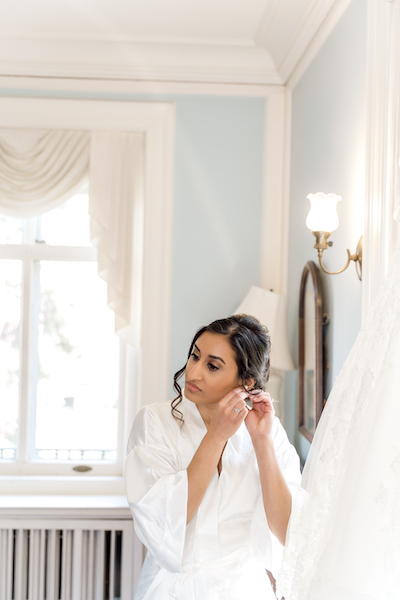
<point x="60" y="373"/>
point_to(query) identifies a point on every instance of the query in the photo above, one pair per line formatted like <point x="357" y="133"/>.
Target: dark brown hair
<point x="251" y="343"/>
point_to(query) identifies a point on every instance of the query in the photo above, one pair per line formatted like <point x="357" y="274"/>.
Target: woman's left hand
<point x="260" y="419"/>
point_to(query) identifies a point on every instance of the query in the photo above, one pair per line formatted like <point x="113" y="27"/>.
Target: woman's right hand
<point x="228" y="415"/>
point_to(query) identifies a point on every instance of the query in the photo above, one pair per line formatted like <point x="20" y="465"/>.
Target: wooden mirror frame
<point x="312" y="270"/>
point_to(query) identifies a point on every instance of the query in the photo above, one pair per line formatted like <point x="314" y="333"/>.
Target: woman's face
<point x="211" y="371"/>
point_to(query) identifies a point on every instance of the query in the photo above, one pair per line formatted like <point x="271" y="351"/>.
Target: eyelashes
<point x="210" y="366"/>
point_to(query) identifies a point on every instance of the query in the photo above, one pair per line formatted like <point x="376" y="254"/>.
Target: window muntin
<point x="69" y="374"/>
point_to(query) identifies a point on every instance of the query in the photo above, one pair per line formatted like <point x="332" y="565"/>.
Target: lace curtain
<point x="39" y="170"/>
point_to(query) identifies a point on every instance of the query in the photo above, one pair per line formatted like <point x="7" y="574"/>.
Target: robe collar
<point x="195" y="428"/>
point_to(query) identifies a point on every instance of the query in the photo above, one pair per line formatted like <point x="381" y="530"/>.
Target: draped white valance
<point x="41" y="169"/>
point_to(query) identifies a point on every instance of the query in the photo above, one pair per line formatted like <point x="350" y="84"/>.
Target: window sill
<point x="70" y="507"/>
<point x="44" y="485"/>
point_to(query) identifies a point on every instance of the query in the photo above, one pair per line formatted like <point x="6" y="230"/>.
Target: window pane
<point x="77" y="391"/>
<point x="10" y="317"/>
<point x="11" y="230"/>
<point x="68" y="224"/>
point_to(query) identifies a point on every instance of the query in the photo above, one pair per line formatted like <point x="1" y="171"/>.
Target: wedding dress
<point x="344" y="537"/>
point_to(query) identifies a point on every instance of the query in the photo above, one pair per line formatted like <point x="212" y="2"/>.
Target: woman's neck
<point x="206" y="412"/>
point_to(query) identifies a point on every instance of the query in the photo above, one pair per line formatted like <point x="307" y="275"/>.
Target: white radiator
<point x="68" y="560"/>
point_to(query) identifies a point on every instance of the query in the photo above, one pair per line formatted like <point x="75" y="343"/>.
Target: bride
<point x="344" y="537"/>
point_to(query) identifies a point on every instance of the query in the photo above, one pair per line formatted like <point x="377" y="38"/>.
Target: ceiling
<point x="231" y="41"/>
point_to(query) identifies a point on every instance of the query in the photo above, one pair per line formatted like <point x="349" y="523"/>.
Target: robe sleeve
<point x="267" y="547"/>
<point x="157" y="491"/>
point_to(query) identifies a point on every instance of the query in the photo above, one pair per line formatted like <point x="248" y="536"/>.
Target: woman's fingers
<point x="263" y="403"/>
<point x="236" y="398"/>
<point x="262" y="397"/>
<point x="233" y="396"/>
<point x="240" y="412"/>
<point x="228" y="416"/>
<point x="239" y="406"/>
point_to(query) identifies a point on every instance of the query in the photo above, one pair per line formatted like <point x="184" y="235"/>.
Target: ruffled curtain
<point x="116" y="208"/>
<point x="39" y="170"/>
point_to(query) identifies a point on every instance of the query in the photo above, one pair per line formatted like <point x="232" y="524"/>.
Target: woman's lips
<point x="192" y="387"/>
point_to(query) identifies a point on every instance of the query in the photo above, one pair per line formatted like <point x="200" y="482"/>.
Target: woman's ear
<point x="249" y="383"/>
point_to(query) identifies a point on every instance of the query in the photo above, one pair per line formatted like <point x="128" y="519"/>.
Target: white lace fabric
<point x="344" y="534"/>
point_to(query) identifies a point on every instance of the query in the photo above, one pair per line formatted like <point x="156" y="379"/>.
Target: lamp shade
<point x="323" y="215"/>
<point x="270" y="309"/>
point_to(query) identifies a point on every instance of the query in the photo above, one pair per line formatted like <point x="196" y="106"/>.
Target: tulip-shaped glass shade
<point x="323" y="215"/>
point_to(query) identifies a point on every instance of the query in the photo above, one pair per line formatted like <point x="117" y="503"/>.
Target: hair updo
<point x="252" y="346"/>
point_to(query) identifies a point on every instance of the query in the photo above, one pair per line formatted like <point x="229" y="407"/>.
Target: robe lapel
<point x="236" y="461"/>
<point x="194" y="428"/>
<point x="206" y="541"/>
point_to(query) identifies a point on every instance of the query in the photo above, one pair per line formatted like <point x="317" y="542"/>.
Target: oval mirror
<point x="311" y="351"/>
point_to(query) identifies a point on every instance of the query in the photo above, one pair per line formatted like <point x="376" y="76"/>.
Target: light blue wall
<point x="327" y="155"/>
<point x="217" y="220"/>
<point x="217" y="205"/>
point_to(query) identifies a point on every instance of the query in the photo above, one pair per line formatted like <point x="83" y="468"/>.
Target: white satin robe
<point x="223" y="552"/>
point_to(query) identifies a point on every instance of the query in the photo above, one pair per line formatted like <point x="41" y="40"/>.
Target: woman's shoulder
<point x="157" y="410"/>
<point x="153" y="423"/>
<point x="286" y="453"/>
<point x="279" y="434"/>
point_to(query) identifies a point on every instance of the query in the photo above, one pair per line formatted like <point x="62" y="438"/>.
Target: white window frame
<point x="156" y="120"/>
<point x="30" y="253"/>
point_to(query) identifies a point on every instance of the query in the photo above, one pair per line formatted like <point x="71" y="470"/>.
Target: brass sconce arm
<point x="322" y="244"/>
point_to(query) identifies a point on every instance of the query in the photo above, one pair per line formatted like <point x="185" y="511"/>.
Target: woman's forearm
<point x="201" y="470"/>
<point x="276" y="495"/>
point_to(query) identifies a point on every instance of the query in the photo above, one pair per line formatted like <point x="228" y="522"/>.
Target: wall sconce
<point x="322" y="220"/>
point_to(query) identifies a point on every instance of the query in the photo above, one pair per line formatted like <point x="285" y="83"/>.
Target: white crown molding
<point x="261" y="34"/>
<point x="309" y="38"/>
<point x="382" y="184"/>
<point x="174" y="59"/>
<point x="89" y="36"/>
<point x="157" y="121"/>
<point x="214" y="73"/>
<point x="16" y="85"/>
<point x="140" y="61"/>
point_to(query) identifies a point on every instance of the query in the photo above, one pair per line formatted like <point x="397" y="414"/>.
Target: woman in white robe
<point x="202" y="475"/>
